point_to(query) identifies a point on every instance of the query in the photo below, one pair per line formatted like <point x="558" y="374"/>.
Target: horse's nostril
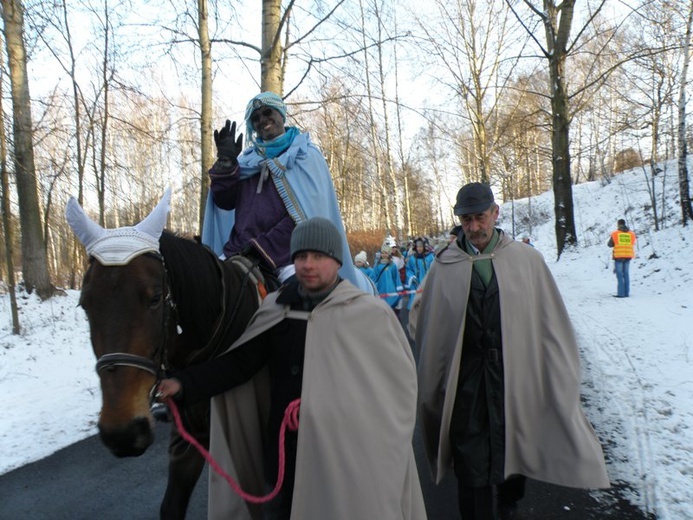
<point x="129" y="441"/>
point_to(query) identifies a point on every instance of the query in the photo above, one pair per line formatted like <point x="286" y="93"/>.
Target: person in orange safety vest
<point x="623" y="242"/>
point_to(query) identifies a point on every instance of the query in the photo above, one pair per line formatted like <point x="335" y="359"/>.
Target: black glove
<point x="228" y="146"/>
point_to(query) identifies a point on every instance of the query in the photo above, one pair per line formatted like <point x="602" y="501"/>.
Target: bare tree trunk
<point x="386" y="131"/>
<point x="656" y="112"/>
<point x="383" y="203"/>
<point x="9" y="234"/>
<point x="207" y="152"/>
<point x="34" y="264"/>
<point x="400" y="147"/>
<point x="437" y="171"/>
<point x="106" y="77"/>
<point x="560" y="139"/>
<point x="578" y="160"/>
<point x="6" y="211"/>
<point x="272" y="78"/>
<point x="557" y="30"/>
<point x="684" y="191"/>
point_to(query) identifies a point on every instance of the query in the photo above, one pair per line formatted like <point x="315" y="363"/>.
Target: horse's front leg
<point x="185" y="462"/>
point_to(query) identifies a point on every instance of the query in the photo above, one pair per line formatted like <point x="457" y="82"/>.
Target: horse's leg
<point x="185" y="462"/>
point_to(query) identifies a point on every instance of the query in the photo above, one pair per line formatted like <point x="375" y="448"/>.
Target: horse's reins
<point x="289" y="421"/>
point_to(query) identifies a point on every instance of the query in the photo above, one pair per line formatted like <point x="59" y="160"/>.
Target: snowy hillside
<point x="637" y="353"/>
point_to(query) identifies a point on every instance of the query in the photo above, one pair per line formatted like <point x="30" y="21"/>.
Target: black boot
<point x="510" y="493"/>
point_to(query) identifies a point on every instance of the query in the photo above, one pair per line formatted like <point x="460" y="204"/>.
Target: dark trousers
<point x="482" y="503"/>
<point x="477" y="503"/>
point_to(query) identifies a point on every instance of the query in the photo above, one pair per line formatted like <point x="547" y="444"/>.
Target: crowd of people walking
<point x="398" y="271"/>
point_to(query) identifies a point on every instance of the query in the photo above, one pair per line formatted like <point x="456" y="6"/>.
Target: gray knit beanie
<point x="317" y="234"/>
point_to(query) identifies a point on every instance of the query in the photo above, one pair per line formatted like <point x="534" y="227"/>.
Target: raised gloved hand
<point x="228" y="146"/>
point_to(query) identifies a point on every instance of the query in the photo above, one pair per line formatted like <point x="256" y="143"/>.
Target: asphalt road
<point x="85" y="482"/>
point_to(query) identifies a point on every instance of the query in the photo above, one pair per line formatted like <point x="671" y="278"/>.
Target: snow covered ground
<point x="637" y="352"/>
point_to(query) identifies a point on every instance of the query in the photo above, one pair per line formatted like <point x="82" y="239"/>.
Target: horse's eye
<point x="155" y="300"/>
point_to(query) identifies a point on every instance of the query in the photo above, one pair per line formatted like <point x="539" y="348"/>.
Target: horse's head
<point x="125" y="297"/>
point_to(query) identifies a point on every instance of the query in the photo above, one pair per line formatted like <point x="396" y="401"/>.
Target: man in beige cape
<point x="499" y="374"/>
<point x="344" y="353"/>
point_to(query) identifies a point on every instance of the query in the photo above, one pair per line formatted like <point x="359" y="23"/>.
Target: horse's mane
<point x="196" y="285"/>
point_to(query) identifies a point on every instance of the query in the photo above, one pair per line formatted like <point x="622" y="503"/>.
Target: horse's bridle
<point x="108" y="361"/>
<point x="156" y="364"/>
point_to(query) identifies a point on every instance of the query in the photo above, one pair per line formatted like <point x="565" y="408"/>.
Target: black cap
<point x="474" y="197"/>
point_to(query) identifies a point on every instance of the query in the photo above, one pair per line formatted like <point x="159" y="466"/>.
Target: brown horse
<point x="159" y="311"/>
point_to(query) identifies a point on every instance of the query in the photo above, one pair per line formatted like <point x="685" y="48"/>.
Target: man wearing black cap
<point x="344" y="354"/>
<point x="499" y="374"/>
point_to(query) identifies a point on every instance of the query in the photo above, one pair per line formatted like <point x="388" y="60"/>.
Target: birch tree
<point x="684" y="190"/>
<point x="396" y="198"/>
<point x="206" y="108"/>
<point x="272" y="56"/>
<point x="374" y="140"/>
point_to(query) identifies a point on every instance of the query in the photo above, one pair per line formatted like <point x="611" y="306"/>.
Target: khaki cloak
<point x="358" y="410"/>
<point x="547" y="435"/>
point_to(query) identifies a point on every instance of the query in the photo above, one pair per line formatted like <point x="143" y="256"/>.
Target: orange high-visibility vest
<point x="623" y="244"/>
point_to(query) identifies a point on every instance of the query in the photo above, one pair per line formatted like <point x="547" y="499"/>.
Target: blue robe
<point x="387" y="280"/>
<point x="417" y="269"/>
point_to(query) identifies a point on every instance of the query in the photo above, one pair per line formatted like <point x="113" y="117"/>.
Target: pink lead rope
<point x="290" y="421"/>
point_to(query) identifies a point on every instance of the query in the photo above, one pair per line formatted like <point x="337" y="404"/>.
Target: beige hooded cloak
<point x="547" y="436"/>
<point x="358" y="410"/>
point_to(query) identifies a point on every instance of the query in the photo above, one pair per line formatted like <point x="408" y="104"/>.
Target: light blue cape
<point x="304" y="185"/>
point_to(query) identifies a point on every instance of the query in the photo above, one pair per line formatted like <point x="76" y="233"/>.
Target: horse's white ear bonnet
<point x="119" y="246"/>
